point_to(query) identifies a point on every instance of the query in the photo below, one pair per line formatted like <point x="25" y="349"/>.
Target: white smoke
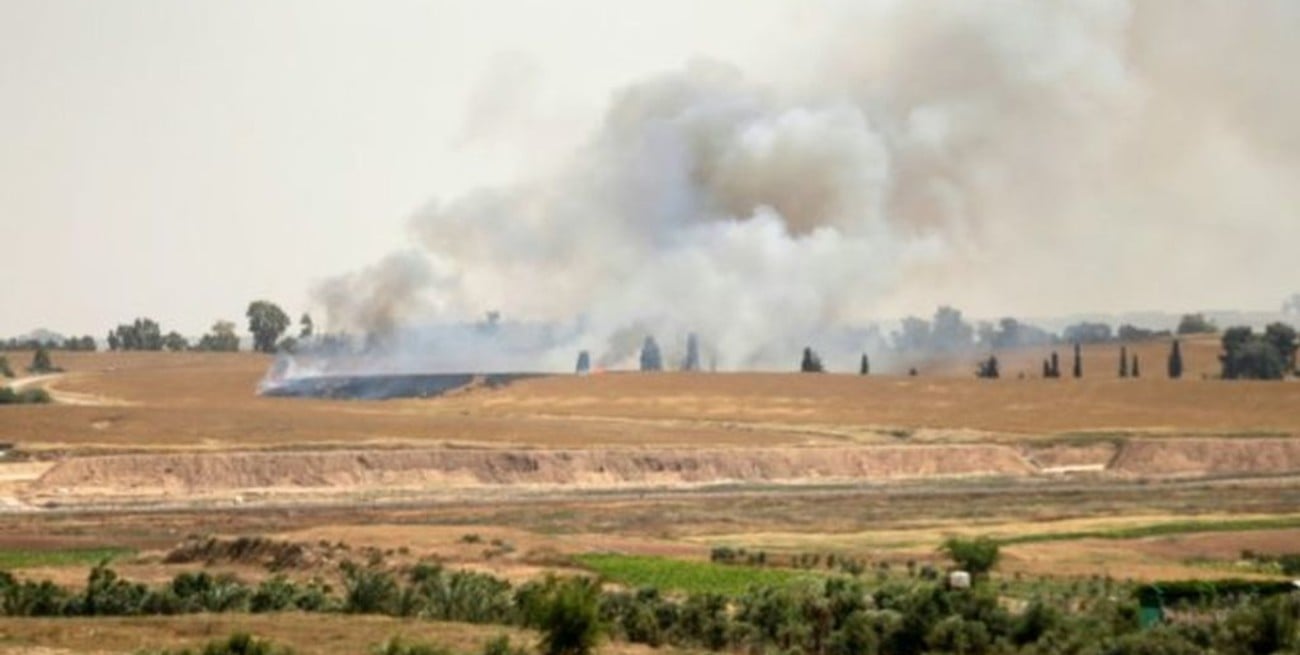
<point x="981" y="151"/>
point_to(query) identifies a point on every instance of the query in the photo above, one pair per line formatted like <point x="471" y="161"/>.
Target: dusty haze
<point x="1035" y="156"/>
<point x="766" y="174"/>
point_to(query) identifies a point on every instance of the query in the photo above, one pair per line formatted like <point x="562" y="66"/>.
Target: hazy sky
<point x="177" y="159"/>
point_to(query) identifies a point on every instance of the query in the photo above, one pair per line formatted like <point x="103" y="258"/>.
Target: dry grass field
<point x="1143" y="479"/>
<point x="137" y="401"/>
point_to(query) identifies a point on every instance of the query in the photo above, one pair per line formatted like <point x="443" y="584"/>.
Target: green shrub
<point x="570" y="618"/>
<point x="396" y="646"/>
<point x="977" y="556"/>
<point x="500" y="645"/>
<point x="25" y="397"/>
<point x="236" y="644"/>
<point x="368" y="590"/>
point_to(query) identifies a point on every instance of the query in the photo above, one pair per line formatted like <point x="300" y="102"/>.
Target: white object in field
<point x="959" y="580"/>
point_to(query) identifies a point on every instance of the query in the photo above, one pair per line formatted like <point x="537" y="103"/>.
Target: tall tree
<point x="1123" y="361"/>
<point x="174" y="342"/>
<point x="222" y="338"/>
<point x="1175" y="361"/>
<point x="1283" y="338"/>
<point x="1078" y="360"/>
<point x="988" y="369"/>
<point x="1196" y="324"/>
<point x="692" y="361"/>
<point x="584" y="363"/>
<point x="266" y="321"/>
<point x="651" y="359"/>
<point x="865" y="367"/>
<point x="1056" y="365"/>
<point x="305" y="326"/>
<point x="1251" y="356"/>
<point x="811" y="362"/>
<point x="1136" y="371"/>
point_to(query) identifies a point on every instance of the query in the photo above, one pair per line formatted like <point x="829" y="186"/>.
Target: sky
<point x="178" y="159"/>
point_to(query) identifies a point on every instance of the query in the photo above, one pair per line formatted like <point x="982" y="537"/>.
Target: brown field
<point x="142" y="449"/>
<point x="206" y="401"/>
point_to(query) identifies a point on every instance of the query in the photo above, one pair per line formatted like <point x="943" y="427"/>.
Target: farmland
<point x="637" y="478"/>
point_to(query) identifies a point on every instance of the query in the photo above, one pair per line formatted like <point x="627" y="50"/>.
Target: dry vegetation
<point x="206" y="401"/>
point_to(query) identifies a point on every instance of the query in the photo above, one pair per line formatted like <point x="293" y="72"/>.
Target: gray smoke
<point x="1078" y="154"/>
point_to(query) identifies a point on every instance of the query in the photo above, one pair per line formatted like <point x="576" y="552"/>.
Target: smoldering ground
<point x="1021" y="157"/>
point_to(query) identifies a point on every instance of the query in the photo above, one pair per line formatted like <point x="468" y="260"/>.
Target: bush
<point x="570" y="618"/>
<point x="236" y="644"/>
<point x="25" y="397"/>
<point x="368" y="590"/>
<point x="41" y="362"/>
<point x="1196" y="324"/>
<point x="500" y="645"/>
<point x="976" y="556"/>
<point x="396" y="646"/>
<point x="5" y="369"/>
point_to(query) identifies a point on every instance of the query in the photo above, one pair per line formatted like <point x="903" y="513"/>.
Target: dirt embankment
<point x="179" y="476"/>
<point x="1207" y="457"/>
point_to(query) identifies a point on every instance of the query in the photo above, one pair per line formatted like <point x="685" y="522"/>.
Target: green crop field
<point x="687" y="576"/>
<point x="22" y="558"/>
<point x="1162" y="529"/>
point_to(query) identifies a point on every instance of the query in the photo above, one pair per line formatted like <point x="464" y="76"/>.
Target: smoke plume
<point x="944" y="150"/>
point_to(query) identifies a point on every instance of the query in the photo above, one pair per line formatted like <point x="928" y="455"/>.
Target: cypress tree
<point x="1175" y="361"/>
<point x="1078" y="361"/>
<point x="1056" y="365"/>
<point x="865" y="368"/>
<point x="1123" y="361"/>
<point x="811" y="362"/>
<point x="651" y="360"/>
<point x="1137" y="372"/>
<point x="1047" y="369"/>
<point x="584" y="363"/>
<point x="692" y="361"/>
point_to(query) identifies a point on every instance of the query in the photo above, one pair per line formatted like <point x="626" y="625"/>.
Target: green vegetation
<point x="811" y="362"/>
<point x="266" y="321"/>
<point x="806" y="616"/>
<point x="27" y="558"/>
<point x="976" y="556"/>
<point x="221" y="339"/>
<point x="569" y="616"/>
<point x="1267" y="356"/>
<point x="25" y="397"/>
<point x="5" y="369"/>
<point x="397" y="646"/>
<point x="237" y="644"/>
<point x="1196" y="324"/>
<point x="41" y="363"/>
<point x="1161" y="529"/>
<point x="684" y="575"/>
<point x="141" y="334"/>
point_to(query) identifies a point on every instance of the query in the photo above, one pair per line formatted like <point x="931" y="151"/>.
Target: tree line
<point x="819" y="615"/>
<point x="267" y="323"/>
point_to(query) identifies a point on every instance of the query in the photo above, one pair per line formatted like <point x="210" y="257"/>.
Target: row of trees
<point x="1267" y="356"/>
<point x="72" y="344"/>
<point x="832" y="615"/>
<point x="652" y="357"/>
<point x="948" y="332"/>
<point x="267" y="323"/>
